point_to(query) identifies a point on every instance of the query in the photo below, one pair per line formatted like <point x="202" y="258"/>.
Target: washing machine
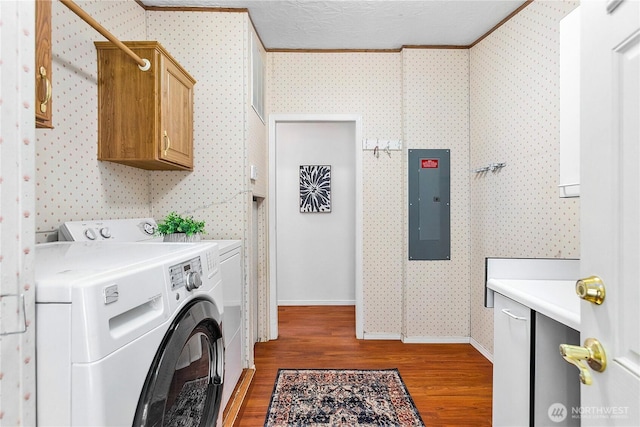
<point x="128" y="334"/>
<point x="230" y="253"/>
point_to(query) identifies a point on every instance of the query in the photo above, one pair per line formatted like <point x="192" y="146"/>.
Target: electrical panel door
<point x="429" y="205"/>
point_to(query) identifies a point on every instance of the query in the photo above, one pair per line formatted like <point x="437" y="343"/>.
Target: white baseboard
<point x="431" y="340"/>
<point x="316" y="302"/>
<point x="482" y="350"/>
<point x="381" y="336"/>
<point x="435" y="340"/>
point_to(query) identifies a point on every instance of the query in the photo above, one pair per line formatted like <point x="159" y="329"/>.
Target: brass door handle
<point x="591" y="289"/>
<point x="592" y="353"/>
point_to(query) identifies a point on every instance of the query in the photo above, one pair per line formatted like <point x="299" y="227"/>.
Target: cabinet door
<point x="555" y="388"/>
<point x="43" y="64"/>
<point x="511" y="362"/>
<point x="177" y="116"/>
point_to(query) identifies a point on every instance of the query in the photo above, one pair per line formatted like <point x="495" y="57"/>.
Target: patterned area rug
<point x="321" y="397"/>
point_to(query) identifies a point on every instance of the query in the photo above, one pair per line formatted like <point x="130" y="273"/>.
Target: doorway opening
<point x="315" y="257"/>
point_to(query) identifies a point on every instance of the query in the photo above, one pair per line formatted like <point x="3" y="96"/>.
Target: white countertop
<point x="556" y="299"/>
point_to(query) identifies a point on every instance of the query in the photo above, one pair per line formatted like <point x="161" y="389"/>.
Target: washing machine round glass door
<point x="184" y="384"/>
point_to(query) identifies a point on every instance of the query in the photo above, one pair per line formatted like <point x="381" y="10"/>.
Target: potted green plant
<point x="177" y="228"/>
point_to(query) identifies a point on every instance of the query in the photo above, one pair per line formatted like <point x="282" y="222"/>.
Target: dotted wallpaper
<point x="368" y="84"/>
<point x="17" y="209"/>
<point x="71" y="183"/>
<point x="516" y="212"/>
<point x="382" y="245"/>
<point x="436" y="116"/>
<point x="257" y="155"/>
<point x="211" y="47"/>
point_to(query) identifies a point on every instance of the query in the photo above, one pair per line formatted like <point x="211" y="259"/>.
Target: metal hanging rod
<point x="143" y="64"/>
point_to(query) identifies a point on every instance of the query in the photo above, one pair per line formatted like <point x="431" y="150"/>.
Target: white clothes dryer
<point x="128" y="334"/>
<point x="231" y="273"/>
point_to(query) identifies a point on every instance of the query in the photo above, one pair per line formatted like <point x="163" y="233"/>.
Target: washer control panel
<point x="187" y="274"/>
<point x="121" y="230"/>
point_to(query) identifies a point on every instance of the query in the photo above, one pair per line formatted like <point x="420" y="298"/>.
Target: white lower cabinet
<point x="556" y="384"/>
<point x="532" y="384"/>
<point x="511" y="362"/>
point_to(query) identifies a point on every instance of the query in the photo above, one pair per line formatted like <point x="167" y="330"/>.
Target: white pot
<point x="182" y="237"/>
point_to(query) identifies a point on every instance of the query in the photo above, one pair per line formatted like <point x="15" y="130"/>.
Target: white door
<point x="610" y="206"/>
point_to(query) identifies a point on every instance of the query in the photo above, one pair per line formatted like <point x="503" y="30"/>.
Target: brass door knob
<point x="592" y="353"/>
<point x="591" y="289"/>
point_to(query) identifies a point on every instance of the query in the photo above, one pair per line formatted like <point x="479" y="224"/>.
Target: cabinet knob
<point x="592" y="353"/>
<point x="591" y="289"/>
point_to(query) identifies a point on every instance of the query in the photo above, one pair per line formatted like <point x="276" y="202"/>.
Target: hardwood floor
<point x="451" y="384"/>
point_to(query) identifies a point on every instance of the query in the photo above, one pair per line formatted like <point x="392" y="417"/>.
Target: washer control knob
<point x="90" y="234"/>
<point x="105" y="232"/>
<point x="194" y="281"/>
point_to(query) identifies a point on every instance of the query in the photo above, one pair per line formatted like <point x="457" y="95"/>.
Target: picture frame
<point x="315" y="188"/>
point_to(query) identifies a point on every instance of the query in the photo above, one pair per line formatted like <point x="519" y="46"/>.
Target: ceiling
<point x="370" y="24"/>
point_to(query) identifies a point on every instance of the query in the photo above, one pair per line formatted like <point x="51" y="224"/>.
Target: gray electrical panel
<point x="429" y="205"/>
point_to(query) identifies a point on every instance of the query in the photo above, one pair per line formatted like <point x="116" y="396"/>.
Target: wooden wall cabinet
<point x="145" y="118"/>
<point x="43" y="64"/>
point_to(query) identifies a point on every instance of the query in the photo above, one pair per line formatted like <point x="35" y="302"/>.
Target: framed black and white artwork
<point x="315" y="188"/>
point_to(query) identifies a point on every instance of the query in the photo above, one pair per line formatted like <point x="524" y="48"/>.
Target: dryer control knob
<point x="194" y="281"/>
<point x="105" y="232"/>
